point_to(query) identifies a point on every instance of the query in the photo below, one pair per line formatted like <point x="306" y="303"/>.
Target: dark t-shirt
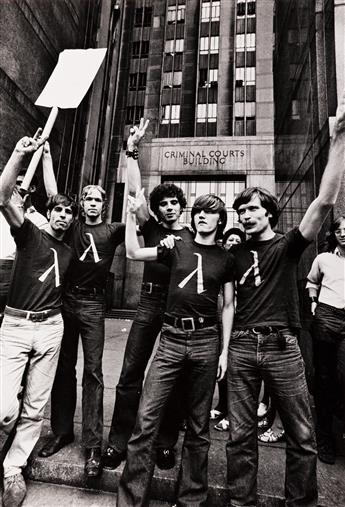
<point x="39" y="270"/>
<point x="197" y="274"/>
<point x="93" y="248"/>
<point x="153" y="233"/>
<point x="266" y="275"/>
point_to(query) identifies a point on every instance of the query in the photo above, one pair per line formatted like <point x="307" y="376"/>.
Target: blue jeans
<point x="253" y="357"/>
<point x="195" y="355"/>
<point x="140" y="343"/>
<point x="82" y="315"/>
<point x="328" y="331"/>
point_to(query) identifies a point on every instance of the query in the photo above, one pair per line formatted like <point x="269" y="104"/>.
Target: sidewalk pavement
<point x="67" y="466"/>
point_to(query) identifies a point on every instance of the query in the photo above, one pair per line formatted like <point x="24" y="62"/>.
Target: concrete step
<point x="40" y="494"/>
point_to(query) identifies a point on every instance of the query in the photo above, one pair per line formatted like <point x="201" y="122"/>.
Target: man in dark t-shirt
<point x="93" y="243"/>
<point x="167" y="203"/>
<point x="189" y="347"/>
<point x="264" y="342"/>
<point x="32" y="326"/>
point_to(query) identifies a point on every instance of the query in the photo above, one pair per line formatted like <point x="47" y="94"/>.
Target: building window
<point x="239" y="126"/>
<point x="208" y="78"/>
<point x="213" y="79"/>
<point x="250" y="93"/>
<point x="206" y="112"/>
<point x="142" y="81"/>
<point x="250" y="75"/>
<point x="239" y="93"/>
<point x="176" y="14"/>
<point x="251" y="8"/>
<point x="172" y="79"/>
<point x="241" y="8"/>
<point x="174" y="46"/>
<point x="251" y="58"/>
<point x="209" y="44"/>
<point x="138" y="17"/>
<point x="171" y="113"/>
<point x="250" y="126"/>
<point x="133" y="81"/>
<point x="210" y="12"/>
<point x="295" y="110"/>
<point x="145" y="46"/>
<point x="240" y="25"/>
<point x="134" y="114"/>
<point x="147" y="16"/>
<point x="240" y="59"/>
<point x="245" y="41"/>
<point x="136" y="49"/>
<point x="251" y="25"/>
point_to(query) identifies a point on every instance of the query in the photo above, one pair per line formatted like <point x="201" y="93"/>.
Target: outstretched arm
<point x="48" y="171"/>
<point x="133" y="249"/>
<point x="133" y="171"/>
<point x="331" y="179"/>
<point x="24" y="147"/>
<point x="228" y="312"/>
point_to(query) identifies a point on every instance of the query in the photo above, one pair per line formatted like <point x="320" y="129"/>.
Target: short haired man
<point x="326" y="287"/>
<point x="167" y="202"/>
<point x="32" y="324"/>
<point x="264" y="342"/>
<point x="189" y="346"/>
<point x="93" y="243"/>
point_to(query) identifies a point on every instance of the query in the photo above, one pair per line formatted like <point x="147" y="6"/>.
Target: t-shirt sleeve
<point x="315" y="275"/>
<point x="118" y="232"/>
<point x="296" y="243"/>
<point x="165" y="255"/>
<point x="24" y="233"/>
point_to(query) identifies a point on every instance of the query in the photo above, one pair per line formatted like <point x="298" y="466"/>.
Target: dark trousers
<point x="195" y="355"/>
<point x="253" y="357"/>
<point x="140" y="343"/>
<point x="84" y="316"/>
<point x="328" y="331"/>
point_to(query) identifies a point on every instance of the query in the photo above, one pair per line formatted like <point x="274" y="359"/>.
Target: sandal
<point x="223" y="425"/>
<point x="215" y="414"/>
<point x="272" y="437"/>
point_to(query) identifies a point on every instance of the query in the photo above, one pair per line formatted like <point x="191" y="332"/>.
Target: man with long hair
<point x="188" y="347"/>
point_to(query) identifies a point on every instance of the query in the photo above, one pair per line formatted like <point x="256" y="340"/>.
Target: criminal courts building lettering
<point x="203" y="157"/>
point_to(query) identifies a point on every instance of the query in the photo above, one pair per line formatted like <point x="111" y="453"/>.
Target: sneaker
<point x="223" y="425"/>
<point x="272" y="437"/>
<point x="165" y="458"/>
<point x="14" y="491"/>
<point x="326" y="452"/>
<point x="112" y="458"/>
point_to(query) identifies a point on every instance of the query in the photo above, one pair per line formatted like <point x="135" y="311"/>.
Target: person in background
<point x="326" y="286"/>
<point x="233" y="236"/>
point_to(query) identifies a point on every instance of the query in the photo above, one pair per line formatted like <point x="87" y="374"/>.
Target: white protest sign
<point x="71" y="78"/>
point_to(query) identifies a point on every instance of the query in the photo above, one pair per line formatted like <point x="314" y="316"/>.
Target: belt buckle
<point x="38" y="317"/>
<point x="187" y="324"/>
<point x="150" y="287"/>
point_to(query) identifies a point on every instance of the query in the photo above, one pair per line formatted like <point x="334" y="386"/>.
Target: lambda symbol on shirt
<point x="199" y="275"/>
<point x="55" y="266"/>
<point x="92" y="245"/>
<point x="255" y="268"/>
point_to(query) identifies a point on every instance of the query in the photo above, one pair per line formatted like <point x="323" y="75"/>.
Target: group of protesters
<point x="57" y="293"/>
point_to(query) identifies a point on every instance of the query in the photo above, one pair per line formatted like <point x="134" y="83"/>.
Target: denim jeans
<point x="140" y="343"/>
<point x="253" y="357"/>
<point x="195" y="355"/>
<point x="82" y="315"/>
<point x="328" y="331"/>
<point x="21" y="339"/>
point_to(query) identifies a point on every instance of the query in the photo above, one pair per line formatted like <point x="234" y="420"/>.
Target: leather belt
<point x="265" y="330"/>
<point x="190" y="323"/>
<point x="34" y="316"/>
<point x="152" y="288"/>
<point x="86" y="291"/>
